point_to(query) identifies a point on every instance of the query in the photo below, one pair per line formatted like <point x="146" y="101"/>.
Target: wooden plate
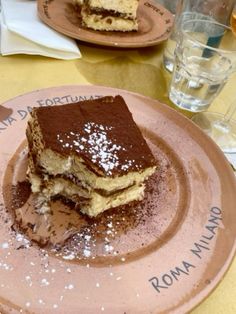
<point x="154" y="21"/>
<point x="181" y="245"/>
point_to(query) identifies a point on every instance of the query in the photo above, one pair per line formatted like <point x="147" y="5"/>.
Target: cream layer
<point x="90" y="202"/>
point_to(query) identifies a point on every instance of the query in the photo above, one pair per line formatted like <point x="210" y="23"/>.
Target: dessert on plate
<point x="109" y="15"/>
<point x="90" y="152"/>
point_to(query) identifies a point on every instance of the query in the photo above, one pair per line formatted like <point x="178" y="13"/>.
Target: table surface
<point x="137" y="70"/>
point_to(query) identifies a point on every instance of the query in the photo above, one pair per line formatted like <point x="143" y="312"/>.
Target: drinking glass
<point x="205" y="56"/>
<point x="184" y="10"/>
<point x="221" y="128"/>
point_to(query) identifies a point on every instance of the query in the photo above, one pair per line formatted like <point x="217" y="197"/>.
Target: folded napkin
<point x="23" y="32"/>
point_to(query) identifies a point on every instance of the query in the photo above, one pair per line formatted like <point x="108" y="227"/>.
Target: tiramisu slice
<point x="107" y="15"/>
<point x="90" y="152"/>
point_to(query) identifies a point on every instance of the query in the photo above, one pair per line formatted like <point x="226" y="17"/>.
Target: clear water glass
<point x="205" y="56"/>
<point x="183" y="10"/>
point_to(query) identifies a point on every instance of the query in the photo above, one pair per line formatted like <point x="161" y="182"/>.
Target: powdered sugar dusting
<point x="95" y="141"/>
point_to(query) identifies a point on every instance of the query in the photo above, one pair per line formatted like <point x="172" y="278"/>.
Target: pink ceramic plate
<point x="154" y="21"/>
<point x="163" y="255"/>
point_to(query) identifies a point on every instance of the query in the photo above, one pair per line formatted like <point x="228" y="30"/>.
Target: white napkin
<point x="23" y="32"/>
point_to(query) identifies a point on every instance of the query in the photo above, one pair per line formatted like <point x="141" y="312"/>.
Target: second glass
<point x="205" y="57"/>
<point x="183" y="10"/>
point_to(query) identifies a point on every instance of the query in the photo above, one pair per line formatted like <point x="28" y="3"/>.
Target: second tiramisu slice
<point x="116" y="15"/>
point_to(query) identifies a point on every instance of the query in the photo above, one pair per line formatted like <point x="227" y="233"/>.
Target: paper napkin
<point x="22" y="32"/>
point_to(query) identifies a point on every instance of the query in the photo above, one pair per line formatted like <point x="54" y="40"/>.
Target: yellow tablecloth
<point x="134" y="70"/>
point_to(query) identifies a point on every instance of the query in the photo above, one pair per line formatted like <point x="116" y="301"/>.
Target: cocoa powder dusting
<point x="20" y="194"/>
